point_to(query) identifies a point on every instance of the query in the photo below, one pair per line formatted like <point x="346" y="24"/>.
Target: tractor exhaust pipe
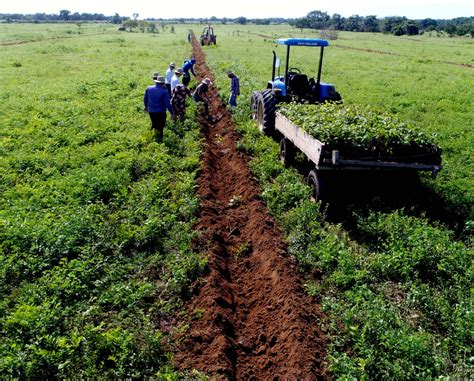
<point x="273" y="66"/>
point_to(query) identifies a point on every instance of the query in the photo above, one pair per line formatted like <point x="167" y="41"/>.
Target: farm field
<point x="96" y="218"/>
<point x="382" y="273"/>
<point x="101" y="227"/>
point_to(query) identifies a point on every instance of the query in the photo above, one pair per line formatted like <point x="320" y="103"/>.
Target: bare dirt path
<point x="253" y="320"/>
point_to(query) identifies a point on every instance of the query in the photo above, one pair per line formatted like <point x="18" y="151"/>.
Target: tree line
<point x="63" y="15"/>
<point x="396" y="25"/>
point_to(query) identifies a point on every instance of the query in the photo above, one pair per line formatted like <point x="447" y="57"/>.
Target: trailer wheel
<point x="287" y="152"/>
<point x="316" y="184"/>
<point x="266" y="112"/>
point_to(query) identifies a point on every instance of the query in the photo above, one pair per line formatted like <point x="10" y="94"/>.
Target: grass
<point x="396" y="285"/>
<point x="96" y="218"/>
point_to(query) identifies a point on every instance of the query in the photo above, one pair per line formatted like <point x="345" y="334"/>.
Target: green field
<point x="96" y="218"/>
<point x="397" y="279"/>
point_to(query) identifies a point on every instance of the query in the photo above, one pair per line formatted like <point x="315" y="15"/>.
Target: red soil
<point x="255" y="321"/>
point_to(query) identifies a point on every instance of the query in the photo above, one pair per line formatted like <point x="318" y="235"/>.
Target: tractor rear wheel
<point x="254" y="103"/>
<point x="266" y="112"/>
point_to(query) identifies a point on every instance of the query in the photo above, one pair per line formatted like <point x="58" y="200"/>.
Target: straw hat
<point x="230" y="72"/>
<point x="172" y="65"/>
<point x="155" y="74"/>
<point x="178" y="71"/>
<point x="159" y="79"/>
<point x="207" y="81"/>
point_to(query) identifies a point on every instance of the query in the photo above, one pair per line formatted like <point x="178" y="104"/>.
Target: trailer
<point x="324" y="160"/>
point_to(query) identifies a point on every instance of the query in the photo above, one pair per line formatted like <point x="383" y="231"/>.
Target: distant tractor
<point x="207" y="36"/>
<point x="292" y="86"/>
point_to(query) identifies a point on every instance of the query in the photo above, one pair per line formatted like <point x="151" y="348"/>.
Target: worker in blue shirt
<point x="189" y="66"/>
<point x="157" y="101"/>
<point x="234" y="89"/>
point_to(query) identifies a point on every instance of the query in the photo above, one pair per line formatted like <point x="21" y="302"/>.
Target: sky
<point x="413" y="9"/>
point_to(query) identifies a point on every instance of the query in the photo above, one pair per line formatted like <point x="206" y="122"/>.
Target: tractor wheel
<point x="254" y="103"/>
<point x="317" y="185"/>
<point x="287" y="152"/>
<point x="202" y="42"/>
<point x="266" y="112"/>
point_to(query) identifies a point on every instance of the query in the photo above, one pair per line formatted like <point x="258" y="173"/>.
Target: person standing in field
<point x="178" y="101"/>
<point x="168" y="76"/>
<point x="189" y="67"/>
<point x="175" y="79"/>
<point x="200" y="94"/>
<point x="157" y="101"/>
<point x="154" y="75"/>
<point x="234" y="89"/>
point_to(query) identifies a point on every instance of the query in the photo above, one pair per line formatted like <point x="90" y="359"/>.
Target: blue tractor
<point x="292" y="86"/>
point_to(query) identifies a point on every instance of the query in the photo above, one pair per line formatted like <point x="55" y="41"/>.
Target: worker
<point x="175" y="79"/>
<point x="189" y="67"/>
<point x="189" y="36"/>
<point x="178" y="101"/>
<point x="200" y="94"/>
<point x="168" y="75"/>
<point x="157" y="101"/>
<point x="154" y="75"/>
<point x="234" y="89"/>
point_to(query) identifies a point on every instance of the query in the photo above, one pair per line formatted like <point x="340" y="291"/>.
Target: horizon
<point x="420" y="9"/>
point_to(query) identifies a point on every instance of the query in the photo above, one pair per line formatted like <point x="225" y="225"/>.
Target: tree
<point x="354" y="23"/>
<point x="371" y="24"/>
<point x="116" y="19"/>
<point x="411" y="28"/>
<point x="337" y="21"/>
<point x="64" y="14"/>
<point x="130" y="24"/>
<point x="390" y="23"/>
<point x="241" y="20"/>
<point x="318" y="20"/>
<point x="450" y="29"/>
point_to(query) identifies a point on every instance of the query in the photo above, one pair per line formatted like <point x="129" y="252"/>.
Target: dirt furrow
<point x="251" y="317"/>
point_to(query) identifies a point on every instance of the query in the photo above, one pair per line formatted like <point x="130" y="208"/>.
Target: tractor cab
<point x="293" y="85"/>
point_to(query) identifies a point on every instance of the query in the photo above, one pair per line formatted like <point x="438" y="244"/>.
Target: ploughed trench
<point x="252" y="318"/>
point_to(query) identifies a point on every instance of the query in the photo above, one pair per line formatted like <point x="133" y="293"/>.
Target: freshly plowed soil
<point x="252" y="319"/>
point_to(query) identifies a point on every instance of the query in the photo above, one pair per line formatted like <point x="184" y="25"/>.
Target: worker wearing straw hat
<point x="157" y="101"/>
<point x="200" y="94"/>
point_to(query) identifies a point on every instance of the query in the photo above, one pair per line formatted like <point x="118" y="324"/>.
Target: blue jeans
<point x="233" y="99"/>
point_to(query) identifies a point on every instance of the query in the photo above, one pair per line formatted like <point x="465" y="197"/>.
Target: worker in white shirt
<point x="175" y="79"/>
<point x="168" y="76"/>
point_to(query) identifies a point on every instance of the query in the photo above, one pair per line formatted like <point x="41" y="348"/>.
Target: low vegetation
<point x="96" y="217"/>
<point x="358" y="132"/>
<point x="395" y="285"/>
